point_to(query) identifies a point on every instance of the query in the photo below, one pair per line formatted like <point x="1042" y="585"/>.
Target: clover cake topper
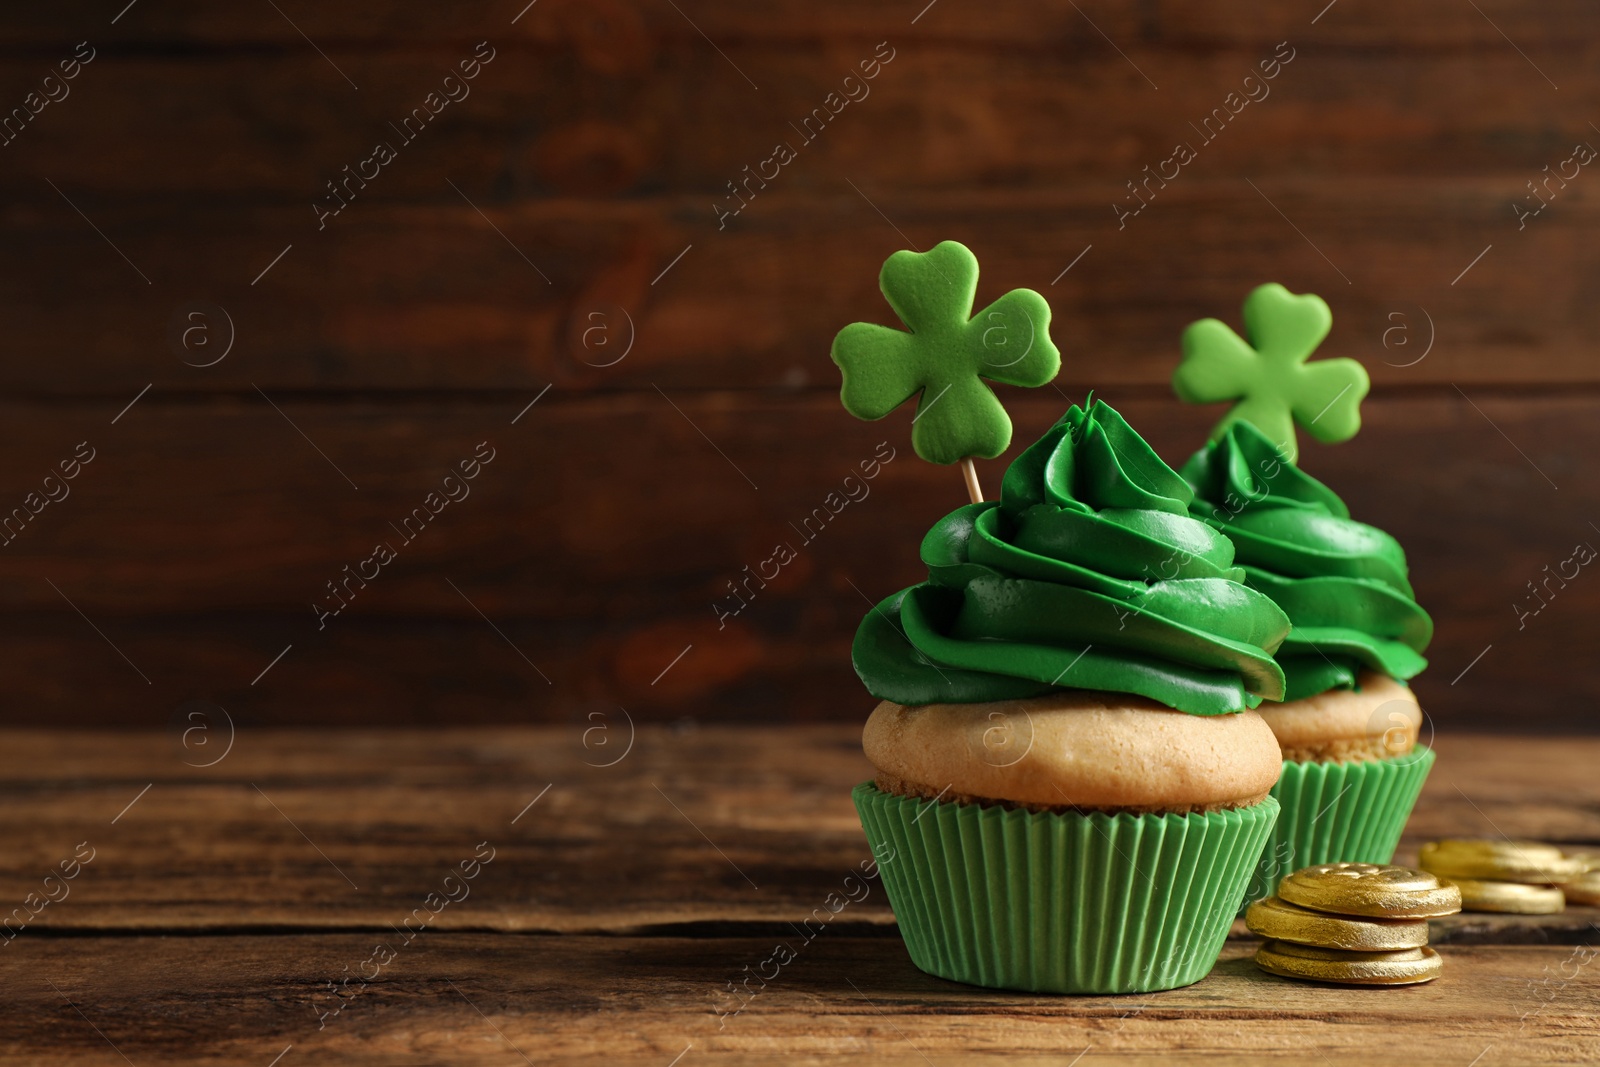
<point x="944" y="354"/>
<point x="1267" y="371"/>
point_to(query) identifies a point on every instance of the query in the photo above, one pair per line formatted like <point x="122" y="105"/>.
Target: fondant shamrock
<point x="946" y="354"/>
<point x="1268" y="374"/>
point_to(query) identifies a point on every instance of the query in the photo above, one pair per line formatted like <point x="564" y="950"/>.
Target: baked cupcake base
<point x="1046" y="902"/>
<point x="1352" y="772"/>
<point x="1339" y="812"/>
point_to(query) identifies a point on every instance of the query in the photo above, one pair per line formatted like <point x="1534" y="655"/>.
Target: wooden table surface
<point x="534" y="905"/>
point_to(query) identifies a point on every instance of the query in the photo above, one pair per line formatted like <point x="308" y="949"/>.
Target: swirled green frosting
<point x="1089" y="573"/>
<point x="1343" y="583"/>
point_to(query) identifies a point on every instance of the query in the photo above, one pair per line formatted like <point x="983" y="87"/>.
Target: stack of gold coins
<point x="1353" y="924"/>
<point x="1585" y="888"/>
<point x="1520" y="877"/>
<point x="1588" y="857"/>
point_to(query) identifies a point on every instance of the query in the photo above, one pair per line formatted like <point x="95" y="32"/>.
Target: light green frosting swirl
<point x="1089" y="573"/>
<point x="1343" y="583"/>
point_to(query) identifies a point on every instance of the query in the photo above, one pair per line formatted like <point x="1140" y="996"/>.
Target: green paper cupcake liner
<point x="1339" y="811"/>
<point x="1049" y="903"/>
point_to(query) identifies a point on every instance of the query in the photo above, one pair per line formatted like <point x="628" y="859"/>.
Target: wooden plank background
<point x="594" y="829"/>
<point x="570" y="200"/>
<point x="638" y="1002"/>
<point x="232" y="913"/>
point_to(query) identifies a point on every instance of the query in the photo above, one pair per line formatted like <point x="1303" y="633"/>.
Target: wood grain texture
<point x="231" y="913"/>
<point x="636" y="852"/>
<point x="201" y="535"/>
<point x="430" y="298"/>
<point x="582" y="178"/>
<point x="542" y="121"/>
<point x="1435" y="24"/>
<point x="466" y="998"/>
<point x="692" y="828"/>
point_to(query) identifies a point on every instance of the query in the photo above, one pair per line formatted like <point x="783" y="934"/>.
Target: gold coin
<point x="1500" y="861"/>
<point x="1585" y="890"/>
<point x="1283" y="921"/>
<point x="1511" y="897"/>
<point x="1589" y="859"/>
<point x="1370" y="889"/>
<point x="1403" y="967"/>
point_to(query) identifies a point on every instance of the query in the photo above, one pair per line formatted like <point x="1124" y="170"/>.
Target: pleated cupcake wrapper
<point x="1013" y="899"/>
<point x="1339" y="811"/>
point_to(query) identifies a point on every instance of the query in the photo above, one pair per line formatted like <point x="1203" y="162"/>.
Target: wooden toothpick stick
<point x="970" y="472"/>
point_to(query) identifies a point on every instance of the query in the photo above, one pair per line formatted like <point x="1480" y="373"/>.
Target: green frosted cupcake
<point x="1348" y="724"/>
<point x="1071" y="791"/>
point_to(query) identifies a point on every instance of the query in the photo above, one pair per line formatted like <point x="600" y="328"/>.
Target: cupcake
<point x="1348" y="724"/>
<point x="1071" y="790"/>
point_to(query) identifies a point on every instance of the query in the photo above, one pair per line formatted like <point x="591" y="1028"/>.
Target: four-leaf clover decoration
<point x="946" y="354"/>
<point x="1268" y="374"/>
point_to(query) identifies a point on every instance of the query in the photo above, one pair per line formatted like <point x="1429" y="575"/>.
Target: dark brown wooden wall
<point x="554" y="237"/>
